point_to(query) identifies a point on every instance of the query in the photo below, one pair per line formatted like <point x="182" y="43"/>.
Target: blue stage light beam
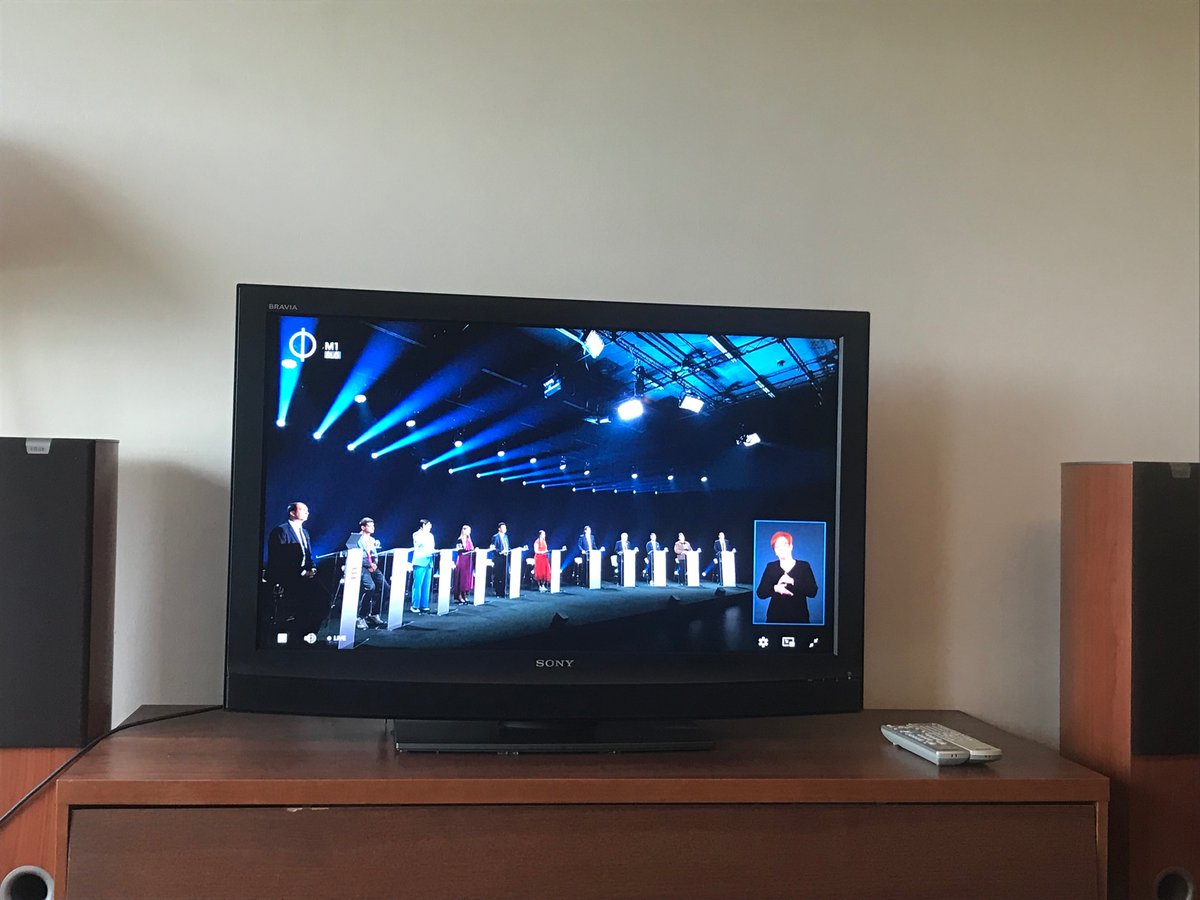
<point x="499" y="432"/>
<point x="297" y="342"/>
<point x="454" y="419"/>
<point x="436" y="387"/>
<point x="531" y="473"/>
<point x="377" y="357"/>
<point x="555" y="478"/>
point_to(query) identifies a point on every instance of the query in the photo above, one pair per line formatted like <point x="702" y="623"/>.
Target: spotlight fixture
<point x="411" y="423"/>
<point x="691" y="403"/>
<point x="749" y="440"/>
<point x="639" y="381"/>
<point x="630" y="409"/>
<point x="281" y="422"/>
<point x="374" y="456"/>
<point x="360" y="398"/>
<point x="704" y="479"/>
<point x="670" y="478"/>
<point x="316" y="435"/>
<point x="594" y="344"/>
<point x="533" y="460"/>
<point x="634" y="476"/>
<point x="499" y="452"/>
<point x="458" y="444"/>
<point x="562" y="466"/>
<point x="551" y="386"/>
<point x="352" y="447"/>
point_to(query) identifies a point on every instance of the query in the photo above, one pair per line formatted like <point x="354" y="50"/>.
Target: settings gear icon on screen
<point x="763" y="642"/>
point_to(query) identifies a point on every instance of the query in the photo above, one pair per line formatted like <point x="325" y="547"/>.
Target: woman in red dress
<point x="541" y="562"/>
<point x="464" y="566"/>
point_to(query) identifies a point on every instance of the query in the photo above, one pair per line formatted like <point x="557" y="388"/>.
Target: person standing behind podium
<point x="681" y="547"/>
<point x="464" y="566"/>
<point x="373" y="578"/>
<point x="586" y="543"/>
<point x="651" y="546"/>
<point x="422" y="565"/>
<point x="720" y="545"/>
<point x="500" y="548"/>
<point x="622" y="545"/>
<point x="541" y="562"/>
<point x="291" y="569"/>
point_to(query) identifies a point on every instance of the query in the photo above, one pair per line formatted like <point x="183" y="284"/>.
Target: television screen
<point x="458" y="506"/>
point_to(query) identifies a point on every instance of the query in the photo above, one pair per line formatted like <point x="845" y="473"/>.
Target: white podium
<point x="594" y="560"/>
<point x="628" y="568"/>
<point x="728" y="578"/>
<point x="658" y="568"/>
<point x="351" y="589"/>
<point x="556" y="570"/>
<point x="692" y="568"/>
<point x="514" y="571"/>
<point x="445" y="568"/>
<point x="398" y="578"/>
<point x="481" y="574"/>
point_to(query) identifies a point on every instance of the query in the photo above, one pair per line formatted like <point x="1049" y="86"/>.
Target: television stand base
<point x="610" y="736"/>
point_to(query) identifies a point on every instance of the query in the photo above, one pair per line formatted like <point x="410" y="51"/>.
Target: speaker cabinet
<point x="1130" y="663"/>
<point x="57" y="543"/>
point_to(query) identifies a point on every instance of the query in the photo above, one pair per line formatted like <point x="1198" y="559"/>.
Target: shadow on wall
<point x="57" y="214"/>
<point x="172" y="540"/>
<point x="906" y="613"/>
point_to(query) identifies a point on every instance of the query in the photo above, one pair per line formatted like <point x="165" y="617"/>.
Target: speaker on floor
<point x="57" y="546"/>
<point x="1130" y="662"/>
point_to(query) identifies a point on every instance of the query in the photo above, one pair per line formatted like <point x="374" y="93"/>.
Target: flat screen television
<point x="682" y="491"/>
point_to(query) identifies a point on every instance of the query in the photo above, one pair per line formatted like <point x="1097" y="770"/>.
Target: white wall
<point x="1010" y="188"/>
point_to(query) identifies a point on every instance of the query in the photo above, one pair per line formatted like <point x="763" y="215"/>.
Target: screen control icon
<point x="310" y="638"/>
<point x="281" y="638"/>
<point x="763" y="642"/>
<point x="788" y="641"/>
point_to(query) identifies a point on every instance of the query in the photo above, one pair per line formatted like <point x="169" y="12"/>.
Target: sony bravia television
<point x="484" y="508"/>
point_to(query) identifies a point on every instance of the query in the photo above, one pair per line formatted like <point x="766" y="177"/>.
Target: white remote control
<point x="940" y="745"/>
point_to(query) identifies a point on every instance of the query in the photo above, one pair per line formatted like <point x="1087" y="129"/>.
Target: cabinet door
<point x="690" y="851"/>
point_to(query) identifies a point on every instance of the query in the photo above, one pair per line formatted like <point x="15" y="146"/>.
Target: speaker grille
<point x="1165" y="681"/>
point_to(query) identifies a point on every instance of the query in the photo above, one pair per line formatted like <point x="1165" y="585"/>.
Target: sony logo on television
<point x="291" y="306"/>
<point x="554" y="663"/>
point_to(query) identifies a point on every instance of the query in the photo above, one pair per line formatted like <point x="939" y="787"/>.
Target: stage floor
<point x="704" y="618"/>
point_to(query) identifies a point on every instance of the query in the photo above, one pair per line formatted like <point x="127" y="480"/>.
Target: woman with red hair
<point x="788" y="582"/>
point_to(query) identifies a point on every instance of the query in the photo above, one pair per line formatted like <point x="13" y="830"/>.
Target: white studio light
<point x="630" y="409"/>
<point x="594" y="344"/>
<point x="691" y="403"/>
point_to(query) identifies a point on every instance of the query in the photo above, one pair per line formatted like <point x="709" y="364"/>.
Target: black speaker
<point x="57" y="543"/>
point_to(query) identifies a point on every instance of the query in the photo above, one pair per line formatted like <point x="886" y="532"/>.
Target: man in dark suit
<point x="583" y="547"/>
<point x="292" y="574"/>
<point x="651" y="546"/>
<point x="622" y="545"/>
<point x="500" y="550"/>
<point x="720" y="545"/>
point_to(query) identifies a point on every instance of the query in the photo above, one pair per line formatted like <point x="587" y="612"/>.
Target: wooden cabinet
<point x="227" y="805"/>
